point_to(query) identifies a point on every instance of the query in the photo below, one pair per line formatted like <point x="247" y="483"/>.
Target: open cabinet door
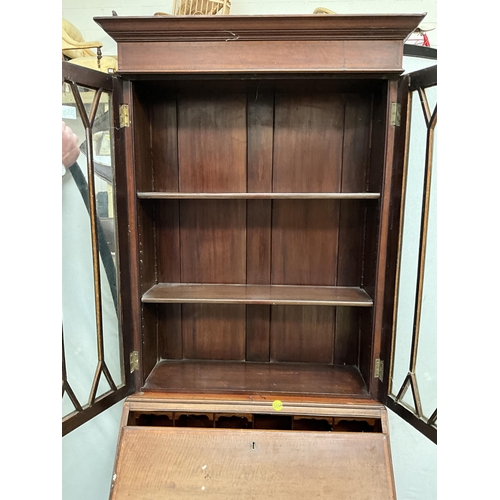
<point x="96" y="362"/>
<point x="411" y="374"/>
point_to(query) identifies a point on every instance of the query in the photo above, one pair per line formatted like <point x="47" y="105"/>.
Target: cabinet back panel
<point x="308" y="132"/>
<point x="258" y="333"/>
<point x="213" y="331"/>
<point x="212" y="139"/>
<point x="260" y="123"/>
<point x="233" y="241"/>
<point x="237" y="139"/>
<point x="213" y="241"/>
<point x="259" y="216"/>
<point x="255" y="136"/>
<point x="304" y="242"/>
<point x="302" y="334"/>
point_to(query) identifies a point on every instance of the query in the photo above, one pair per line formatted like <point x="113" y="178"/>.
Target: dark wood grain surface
<point x="170" y="345"/>
<point x="304" y="242"/>
<point x="260" y="57"/>
<point x="302" y="334"/>
<point x="260" y="124"/>
<point x="212" y="143"/>
<point x="213" y="331"/>
<point x="259" y="27"/>
<point x="258" y="332"/>
<point x="163" y="195"/>
<point x="227" y="377"/>
<point x="164" y="142"/>
<point x="308" y="137"/>
<point x="257" y="294"/>
<point x="258" y="464"/>
<point x="140" y="115"/>
<point x="213" y="241"/>
<point x="168" y="241"/>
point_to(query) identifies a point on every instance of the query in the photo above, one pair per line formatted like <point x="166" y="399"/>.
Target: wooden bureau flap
<point x="187" y="463"/>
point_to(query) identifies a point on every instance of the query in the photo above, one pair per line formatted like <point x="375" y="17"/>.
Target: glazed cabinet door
<point x="410" y="376"/>
<point x="96" y="361"/>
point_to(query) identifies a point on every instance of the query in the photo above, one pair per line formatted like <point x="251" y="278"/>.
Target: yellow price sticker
<point x="277" y="405"/>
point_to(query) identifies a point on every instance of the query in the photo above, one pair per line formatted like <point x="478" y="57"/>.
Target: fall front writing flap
<point x="189" y="463"/>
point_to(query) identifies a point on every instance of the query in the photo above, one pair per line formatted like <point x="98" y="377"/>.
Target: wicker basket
<point x="201" y="7"/>
<point x="323" y="10"/>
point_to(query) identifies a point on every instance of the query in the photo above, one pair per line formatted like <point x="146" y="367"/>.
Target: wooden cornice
<point x="259" y="28"/>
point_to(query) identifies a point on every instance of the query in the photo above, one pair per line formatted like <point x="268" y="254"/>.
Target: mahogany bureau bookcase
<point x="259" y="175"/>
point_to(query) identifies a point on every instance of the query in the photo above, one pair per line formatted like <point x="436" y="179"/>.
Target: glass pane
<point x="88" y="360"/>
<point x="426" y="366"/>
<point x="410" y="247"/>
<point x="427" y="346"/>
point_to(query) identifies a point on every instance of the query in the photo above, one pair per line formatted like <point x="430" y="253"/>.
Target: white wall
<point x="88" y="452"/>
<point x="81" y="12"/>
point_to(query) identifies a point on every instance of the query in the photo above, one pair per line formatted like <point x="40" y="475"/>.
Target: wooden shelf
<point x="243" y="377"/>
<point x="152" y="195"/>
<point x="257" y="294"/>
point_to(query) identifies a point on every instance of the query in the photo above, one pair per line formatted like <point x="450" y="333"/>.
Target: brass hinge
<point x="124" y="117"/>
<point x="134" y="361"/>
<point x="379" y="369"/>
<point x="396" y="114"/>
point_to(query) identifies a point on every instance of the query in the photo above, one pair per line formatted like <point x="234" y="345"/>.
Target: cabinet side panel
<point x="304" y="242"/>
<point x="213" y="241"/>
<point x="169" y="331"/>
<point x="302" y="334"/>
<point x="365" y="346"/>
<point x="168" y="241"/>
<point x="213" y="331"/>
<point x="308" y="135"/>
<point x="371" y="248"/>
<point x="377" y="151"/>
<point x="369" y="273"/>
<point x="351" y="241"/>
<point x="149" y="322"/>
<point x="212" y="142"/>
<point x="164" y="144"/>
<point x="356" y="142"/>
<point x="349" y="273"/>
<point x="142" y="141"/>
<point x="145" y="227"/>
<point x="347" y="329"/>
<point x="147" y="278"/>
<point x="355" y="164"/>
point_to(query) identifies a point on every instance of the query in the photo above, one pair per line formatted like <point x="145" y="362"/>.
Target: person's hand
<point x="70" y="149"/>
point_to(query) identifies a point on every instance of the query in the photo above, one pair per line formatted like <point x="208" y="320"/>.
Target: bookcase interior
<point x="258" y="213"/>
